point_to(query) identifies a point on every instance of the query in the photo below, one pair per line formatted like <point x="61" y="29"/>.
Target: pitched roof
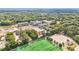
<point x="60" y="38"/>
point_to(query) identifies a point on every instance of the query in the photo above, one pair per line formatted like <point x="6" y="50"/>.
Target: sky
<point x="39" y="4"/>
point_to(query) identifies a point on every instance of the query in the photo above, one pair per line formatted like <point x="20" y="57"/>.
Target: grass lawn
<point x="7" y="26"/>
<point x="41" y="45"/>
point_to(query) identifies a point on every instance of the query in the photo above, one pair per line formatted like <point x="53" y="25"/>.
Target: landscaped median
<point x="40" y="45"/>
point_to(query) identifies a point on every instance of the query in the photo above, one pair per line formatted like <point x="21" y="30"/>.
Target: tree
<point x="69" y="33"/>
<point x="32" y="33"/>
<point x="56" y="28"/>
<point x="10" y="40"/>
<point x="76" y="38"/>
<point x="25" y="37"/>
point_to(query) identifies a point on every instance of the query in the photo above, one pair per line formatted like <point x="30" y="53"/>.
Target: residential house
<point x="39" y="31"/>
<point x="63" y="41"/>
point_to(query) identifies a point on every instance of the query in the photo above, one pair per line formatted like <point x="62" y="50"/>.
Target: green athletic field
<point x="42" y="45"/>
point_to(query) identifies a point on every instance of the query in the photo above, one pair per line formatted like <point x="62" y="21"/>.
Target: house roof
<point x="37" y="29"/>
<point x="60" y="38"/>
<point x="32" y="27"/>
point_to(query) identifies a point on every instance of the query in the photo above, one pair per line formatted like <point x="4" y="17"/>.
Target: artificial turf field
<point x="42" y="45"/>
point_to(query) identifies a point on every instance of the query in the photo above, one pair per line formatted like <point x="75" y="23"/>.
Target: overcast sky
<point x="39" y="4"/>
